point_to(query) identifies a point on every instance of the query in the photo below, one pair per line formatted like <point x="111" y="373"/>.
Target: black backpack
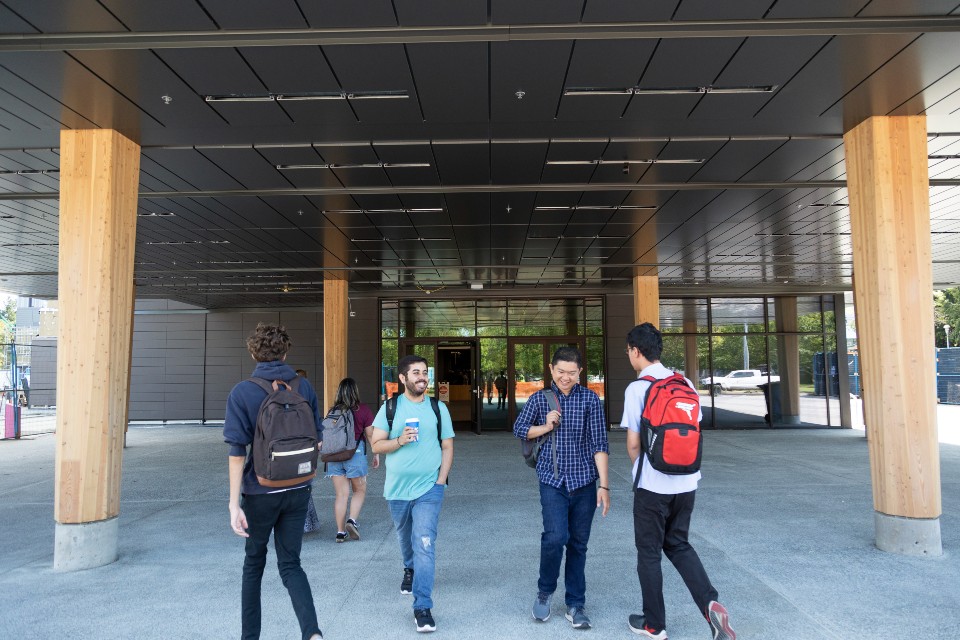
<point x="434" y="404"/>
<point x="339" y="437"/>
<point x="285" y="439"/>
<point x="530" y="449"/>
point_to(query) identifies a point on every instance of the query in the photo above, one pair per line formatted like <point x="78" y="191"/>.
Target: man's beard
<point x="412" y="389"/>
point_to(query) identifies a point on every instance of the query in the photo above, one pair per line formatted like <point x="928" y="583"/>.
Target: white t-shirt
<point x="650" y="478"/>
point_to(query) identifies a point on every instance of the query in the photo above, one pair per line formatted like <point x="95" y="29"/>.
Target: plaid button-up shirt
<point x="581" y="434"/>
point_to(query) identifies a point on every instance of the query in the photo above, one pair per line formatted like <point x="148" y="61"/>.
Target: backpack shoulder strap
<point x="263" y="384"/>
<point x="435" y="405"/>
<point x="554" y="403"/>
<point x="391" y="410"/>
<point x="294" y="384"/>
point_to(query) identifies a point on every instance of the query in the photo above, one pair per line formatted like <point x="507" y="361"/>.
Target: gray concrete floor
<point x="784" y="525"/>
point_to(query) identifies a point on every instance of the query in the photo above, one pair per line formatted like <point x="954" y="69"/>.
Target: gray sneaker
<point x="541" y="607"/>
<point x="578" y="618"/>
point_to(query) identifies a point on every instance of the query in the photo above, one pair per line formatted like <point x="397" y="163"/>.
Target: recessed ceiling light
<point x="365" y="165"/>
<point x="617" y="91"/>
<point x="628" y="162"/>
<point x="318" y="95"/>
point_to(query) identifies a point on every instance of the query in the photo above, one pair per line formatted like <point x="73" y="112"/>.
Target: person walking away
<point x="573" y="458"/>
<point x="418" y="445"/>
<point x="662" y="506"/>
<point x="501" y="384"/>
<point x="257" y="510"/>
<point x="312" y="522"/>
<point x="351" y="473"/>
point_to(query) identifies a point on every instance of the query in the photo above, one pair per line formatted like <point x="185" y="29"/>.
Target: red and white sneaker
<point x="719" y="621"/>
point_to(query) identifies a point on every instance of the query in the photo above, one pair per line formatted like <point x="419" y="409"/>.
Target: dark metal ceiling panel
<point x="736" y="158"/>
<point x="635" y="11"/>
<point x="535" y="68"/>
<point x="336" y="13"/>
<point x="711" y="10"/>
<point x="909" y="7"/>
<point x="377" y="68"/>
<point x="292" y="69"/>
<point x="247" y="166"/>
<point x="169" y="15"/>
<point x="463" y="163"/>
<point x="10" y="22"/>
<point x="441" y="12"/>
<point x="191" y="165"/>
<point x="255" y="14"/>
<point x="790" y="159"/>
<point x="897" y="87"/>
<point x="142" y="78"/>
<point x="534" y="11"/>
<point x="65" y="15"/>
<point x="518" y="163"/>
<point x="452" y="81"/>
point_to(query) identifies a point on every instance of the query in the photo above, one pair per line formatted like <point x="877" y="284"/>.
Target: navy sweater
<point x="243" y="405"/>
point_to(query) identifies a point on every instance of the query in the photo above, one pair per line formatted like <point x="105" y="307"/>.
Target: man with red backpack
<point x="662" y="416"/>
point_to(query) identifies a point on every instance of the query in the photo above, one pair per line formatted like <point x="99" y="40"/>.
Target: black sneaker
<point x="353" y="529"/>
<point x="406" y="585"/>
<point x="638" y="624"/>
<point x="341" y="536"/>
<point x="425" y="623"/>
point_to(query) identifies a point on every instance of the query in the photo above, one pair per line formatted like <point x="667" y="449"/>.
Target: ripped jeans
<point x="416" y="523"/>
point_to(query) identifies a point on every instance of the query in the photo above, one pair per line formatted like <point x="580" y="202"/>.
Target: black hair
<point x="405" y="363"/>
<point x="647" y="339"/>
<point x="567" y="354"/>
<point x="348" y="395"/>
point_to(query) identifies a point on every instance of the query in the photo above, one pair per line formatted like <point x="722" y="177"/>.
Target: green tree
<point x="946" y="312"/>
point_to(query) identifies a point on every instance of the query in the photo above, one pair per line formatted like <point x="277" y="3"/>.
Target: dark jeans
<point x="567" y="519"/>
<point x="284" y="514"/>
<point x="662" y="522"/>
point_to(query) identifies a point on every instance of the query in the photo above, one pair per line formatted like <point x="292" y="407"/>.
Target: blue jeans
<point x="416" y="523"/>
<point x="567" y="518"/>
<point x="282" y="513"/>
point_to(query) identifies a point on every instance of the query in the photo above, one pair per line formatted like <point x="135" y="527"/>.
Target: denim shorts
<point x="355" y="467"/>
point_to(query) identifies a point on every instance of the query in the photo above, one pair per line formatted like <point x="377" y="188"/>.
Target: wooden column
<point x="788" y="352"/>
<point x="646" y="300"/>
<point x="99" y="176"/>
<point x="335" y="315"/>
<point x="888" y="184"/>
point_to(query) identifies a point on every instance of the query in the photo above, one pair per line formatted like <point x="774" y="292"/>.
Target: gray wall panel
<point x="618" y="320"/>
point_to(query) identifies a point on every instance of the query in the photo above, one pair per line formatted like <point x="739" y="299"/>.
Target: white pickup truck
<point x="738" y="380"/>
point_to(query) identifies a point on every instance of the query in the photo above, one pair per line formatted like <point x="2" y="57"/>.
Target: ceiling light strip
<point x="312" y="96"/>
<point x="666" y="91"/>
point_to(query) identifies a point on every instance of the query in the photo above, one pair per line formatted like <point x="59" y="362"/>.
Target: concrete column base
<point x="785" y="419"/>
<point x="908" y="536"/>
<point x="86" y="545"/>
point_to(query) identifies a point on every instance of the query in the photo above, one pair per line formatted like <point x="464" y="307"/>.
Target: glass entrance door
<point x="528" y="368"/>
<point x="451" y="367"/>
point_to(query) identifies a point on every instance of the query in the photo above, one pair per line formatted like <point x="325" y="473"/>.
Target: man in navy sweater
<point x="263" y="509"/>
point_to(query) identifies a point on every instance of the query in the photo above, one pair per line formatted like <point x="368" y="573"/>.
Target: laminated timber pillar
<point x="335" y="314"/>
<point x="888" y="184"/>
<point x="646" y="300"/>
<point x="99" y="175"/>
<point x="788" y="351"/>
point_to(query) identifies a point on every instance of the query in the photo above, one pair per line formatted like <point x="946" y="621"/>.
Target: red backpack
<point x="670" y="425"/>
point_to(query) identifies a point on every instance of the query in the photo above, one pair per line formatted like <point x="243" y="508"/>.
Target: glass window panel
<point x="546" y="317"/>
<point x="437" y="318"/>
<point x="683" y="316"/>
<point x="593" y="308"/>
<point x="829" y="315"/>
<point x="491" y="318"/>
<point x="389" y="320"/>
<point x="815" y="366"/>
<point x="493" y="364"/>
<point x="596" y="377"/>
<point x="833" y="379"/>
<point x="737" y="315"/>
<point x="742" y="400"/>
<point x="809" y="315"/>
<point x="388" y="368"/>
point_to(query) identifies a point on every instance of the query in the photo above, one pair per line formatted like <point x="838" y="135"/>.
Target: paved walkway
<point x="784" y="524"/>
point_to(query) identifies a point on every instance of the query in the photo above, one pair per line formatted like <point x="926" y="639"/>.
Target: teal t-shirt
<point x="412" y="470"/>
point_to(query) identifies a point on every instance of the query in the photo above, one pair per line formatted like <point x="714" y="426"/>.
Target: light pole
<point x="946" y="331"/>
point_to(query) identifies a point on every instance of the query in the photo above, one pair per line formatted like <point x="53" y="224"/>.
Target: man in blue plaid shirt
<point x="569" y="493"/>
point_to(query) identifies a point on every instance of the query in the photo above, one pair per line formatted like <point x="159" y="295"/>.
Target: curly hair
<point x="268" y="342"/>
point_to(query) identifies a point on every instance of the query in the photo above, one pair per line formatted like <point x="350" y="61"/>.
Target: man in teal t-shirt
<point x="417" y="467"/>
